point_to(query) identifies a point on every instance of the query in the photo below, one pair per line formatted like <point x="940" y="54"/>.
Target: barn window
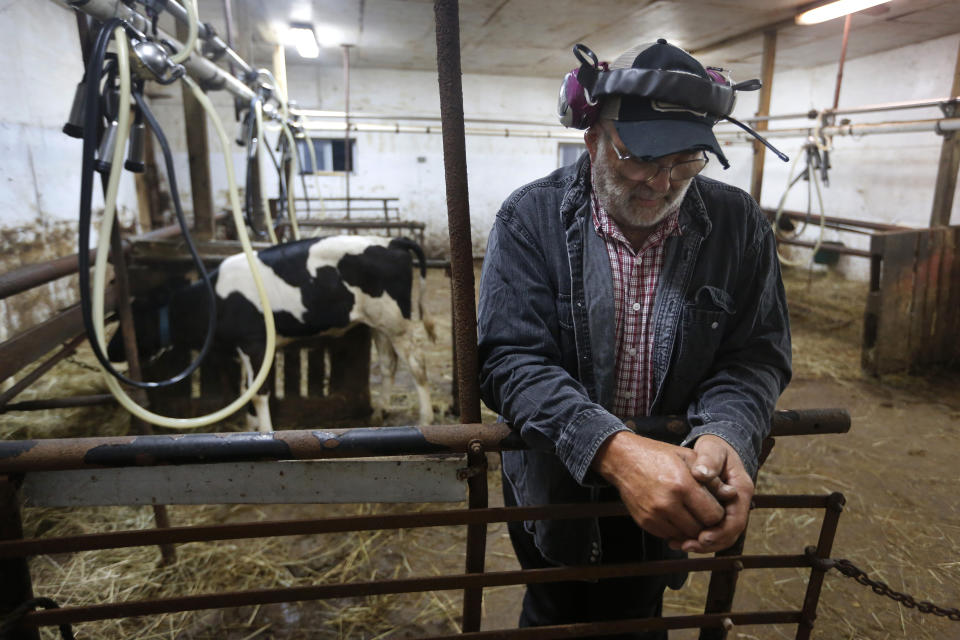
<point x="568" y="152"/>
<point x="329" y="153"/>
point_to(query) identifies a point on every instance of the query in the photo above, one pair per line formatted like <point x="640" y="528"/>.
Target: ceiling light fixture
<point x="835" y="10"/>
<point x="302" y="36"/>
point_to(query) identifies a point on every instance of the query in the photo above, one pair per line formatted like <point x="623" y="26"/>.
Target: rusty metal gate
<point x="116" y="470"/>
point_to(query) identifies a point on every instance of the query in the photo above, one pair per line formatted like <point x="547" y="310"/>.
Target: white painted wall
<point x="40" y="65"/>
<point x="887" y="178"/>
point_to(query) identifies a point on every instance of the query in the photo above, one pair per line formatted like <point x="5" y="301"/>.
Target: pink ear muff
<point x="574" y="107"/>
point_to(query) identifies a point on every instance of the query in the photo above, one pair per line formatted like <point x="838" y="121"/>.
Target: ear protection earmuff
<point x="583" y="90"/>
<point x="575" y="108"/>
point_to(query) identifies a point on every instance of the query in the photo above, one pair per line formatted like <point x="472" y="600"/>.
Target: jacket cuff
<point x="734" y="435"/>
<point x="580" y="440"/>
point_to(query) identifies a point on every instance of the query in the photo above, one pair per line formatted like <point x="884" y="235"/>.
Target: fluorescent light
<point x="328" y="36"/>
<point x="835" y="10"/>
<point x="302" y="36"/>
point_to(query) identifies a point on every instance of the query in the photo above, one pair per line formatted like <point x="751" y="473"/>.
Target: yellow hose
<point x="106" y="224"/>
<point x="193" y="27"/>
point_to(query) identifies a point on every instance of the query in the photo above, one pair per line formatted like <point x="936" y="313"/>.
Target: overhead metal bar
<point x="934" y="126"/>
<point x="883" y="106"/>
<point x="203" y="70"/>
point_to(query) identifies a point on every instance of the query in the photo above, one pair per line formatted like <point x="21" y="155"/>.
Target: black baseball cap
<point x="651" y="128"/>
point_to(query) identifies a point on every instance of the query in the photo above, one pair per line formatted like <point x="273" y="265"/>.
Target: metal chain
<point x="82" y="365"/>
<point x="11" y="620"/>
<point x="848" y="569"/>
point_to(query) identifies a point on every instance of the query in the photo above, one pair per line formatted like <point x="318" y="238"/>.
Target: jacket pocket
<point x="703" y="323"/>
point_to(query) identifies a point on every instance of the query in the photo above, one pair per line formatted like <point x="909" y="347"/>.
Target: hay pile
<point x="826" y="317"/>
<point x="201" y="568"/>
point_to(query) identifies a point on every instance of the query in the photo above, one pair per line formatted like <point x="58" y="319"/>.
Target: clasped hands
<point x="698" y="499"/>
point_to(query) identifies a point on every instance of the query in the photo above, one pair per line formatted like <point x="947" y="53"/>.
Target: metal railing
<point x="20" y="460"/>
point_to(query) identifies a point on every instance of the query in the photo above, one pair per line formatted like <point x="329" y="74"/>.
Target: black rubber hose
<point x="91" y="122"/>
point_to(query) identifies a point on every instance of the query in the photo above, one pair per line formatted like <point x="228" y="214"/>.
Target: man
<point x="629" y="285"/>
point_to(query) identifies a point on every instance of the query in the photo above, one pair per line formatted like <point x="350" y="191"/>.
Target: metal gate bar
<point x="21" y="456"/>
<point x="445" y="518"/>
<point x="475" y="581"/>
<point x="406" y="585"/>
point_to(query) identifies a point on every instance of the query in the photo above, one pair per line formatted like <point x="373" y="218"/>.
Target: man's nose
<point x="661" y="180"/>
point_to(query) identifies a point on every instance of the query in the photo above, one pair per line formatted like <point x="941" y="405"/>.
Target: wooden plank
<point x="198" y="156"/>
<point x="953" y="305"/>
<point x="341" y="481"/>
<point x="894" y="300"/>
<point x="763" y="109"/>
<point x="946" y="305"/>
<point x="928" y="270"/>
<point x="949" y="167"/>
<point x="291" y="373"/>
<point x="919" y="311"/>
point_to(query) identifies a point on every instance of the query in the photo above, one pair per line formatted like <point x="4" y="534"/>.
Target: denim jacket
<point x="721" y="355"/>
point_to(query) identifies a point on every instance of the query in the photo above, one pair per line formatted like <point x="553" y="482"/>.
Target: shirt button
<point x="632" y="351"/>
<point x="639" y="260"/>
<point x="714" y="325"/>
<point x="636" y="306"/>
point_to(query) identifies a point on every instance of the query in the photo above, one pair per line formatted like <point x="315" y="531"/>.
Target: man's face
<point x="633" y="204"/>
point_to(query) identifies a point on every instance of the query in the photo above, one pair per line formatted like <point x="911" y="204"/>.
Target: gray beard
<point x="618" y="197"/>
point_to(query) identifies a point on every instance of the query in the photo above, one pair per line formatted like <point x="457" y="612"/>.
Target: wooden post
<point x="148" y="188"/>
<point x="763" y="109"/>
<point x="946" y="185"/>
<point x="198" y="154"/>
<point x="15" y="587"/>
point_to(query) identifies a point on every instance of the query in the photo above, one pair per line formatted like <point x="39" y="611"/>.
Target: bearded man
<point x="626" y="285"/>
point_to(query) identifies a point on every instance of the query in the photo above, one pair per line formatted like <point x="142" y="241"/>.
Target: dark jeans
<point x="602" y="600"/>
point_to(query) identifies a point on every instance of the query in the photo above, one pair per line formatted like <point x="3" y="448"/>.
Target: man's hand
<point x="658" y="487"/>
<point x="718" y="466"/>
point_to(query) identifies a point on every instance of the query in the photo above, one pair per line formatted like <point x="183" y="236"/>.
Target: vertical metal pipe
<point x="843" y="57"/>
<point x="347" y="159"/>
<point x="824" y="546"/>
<point x="461" y="265"/>
<point x="458" y="207"/>
<point x="723" y="586"/>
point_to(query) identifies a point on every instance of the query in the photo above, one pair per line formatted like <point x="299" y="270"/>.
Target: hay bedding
<point x="901" y="523"/>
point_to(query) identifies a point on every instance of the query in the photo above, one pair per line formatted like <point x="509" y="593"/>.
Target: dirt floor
<point x="901" y="522"/>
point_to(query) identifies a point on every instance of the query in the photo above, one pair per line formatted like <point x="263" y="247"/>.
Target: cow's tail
<point x="406" y="243"/>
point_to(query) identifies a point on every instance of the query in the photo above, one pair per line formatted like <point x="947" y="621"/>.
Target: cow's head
<point x="151" y="319"/>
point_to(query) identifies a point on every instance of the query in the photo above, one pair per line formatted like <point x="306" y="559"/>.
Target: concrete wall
<point x="40" y="65"/>
<point x="887" y="178"/>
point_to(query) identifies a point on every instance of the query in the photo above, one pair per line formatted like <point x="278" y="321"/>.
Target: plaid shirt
<point x="635" y="277"/>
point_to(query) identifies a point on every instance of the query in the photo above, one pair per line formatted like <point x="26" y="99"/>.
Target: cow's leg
<point x="388" y="368"/>
<point x="405" y="347"/>
<point x="261" y="400"/>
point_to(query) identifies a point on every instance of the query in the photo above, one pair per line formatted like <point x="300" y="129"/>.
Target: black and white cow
<point x="318" y="286"/>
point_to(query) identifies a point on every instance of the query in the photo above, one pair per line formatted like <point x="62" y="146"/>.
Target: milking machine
<point x="815" y="153"/>
<point x="109" y="83"/>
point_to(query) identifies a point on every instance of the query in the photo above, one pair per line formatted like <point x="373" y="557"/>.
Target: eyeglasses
<point x="645" y="170"/>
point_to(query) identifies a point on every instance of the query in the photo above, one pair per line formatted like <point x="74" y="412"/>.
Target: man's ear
<point x="592" y="139"/>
